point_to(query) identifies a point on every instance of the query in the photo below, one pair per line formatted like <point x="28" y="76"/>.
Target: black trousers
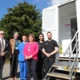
<point x="47" y="63"/>
<point x="39" y="69"/>
<point x="31" y="64"/>
<point x="2" y="61"/>
<point x="14" y="64"/>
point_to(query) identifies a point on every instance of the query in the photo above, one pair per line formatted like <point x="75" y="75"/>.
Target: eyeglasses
<point x="1" y="33"/>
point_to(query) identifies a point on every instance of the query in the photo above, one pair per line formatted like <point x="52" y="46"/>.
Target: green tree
<point x="24" y="18"/>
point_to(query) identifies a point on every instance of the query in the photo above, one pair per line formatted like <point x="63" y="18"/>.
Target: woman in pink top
<point x="31" y="56"/>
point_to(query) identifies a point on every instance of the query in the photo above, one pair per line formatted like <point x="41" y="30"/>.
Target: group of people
<point x="34" y="58"/>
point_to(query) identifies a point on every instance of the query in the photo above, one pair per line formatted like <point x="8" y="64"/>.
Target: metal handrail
<point x="74" y="65"/>
<point x="71" y="42"/>
<point x="71" y="50"/>
<point x="75" y="61"/>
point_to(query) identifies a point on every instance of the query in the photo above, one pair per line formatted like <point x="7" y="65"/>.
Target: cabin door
<point x="73" y="31"/>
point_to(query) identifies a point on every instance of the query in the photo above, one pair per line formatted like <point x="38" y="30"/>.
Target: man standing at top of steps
<point x="50" y="48"/>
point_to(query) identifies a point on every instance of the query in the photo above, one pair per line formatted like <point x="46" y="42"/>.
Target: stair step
<point x="59" y="75"/>
<point x="61" y="66"/>
<point x="67" y="70"/>
<point x="64" y="68"/>
<point x="66" y="59"/>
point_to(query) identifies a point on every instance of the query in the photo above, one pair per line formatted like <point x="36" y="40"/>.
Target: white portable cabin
<point x="63" y="20"/>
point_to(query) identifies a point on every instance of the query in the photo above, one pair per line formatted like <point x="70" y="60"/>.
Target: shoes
<point x="0" y="78"/>
<point x="15" y="78"/>
<point x="11" y="78"/>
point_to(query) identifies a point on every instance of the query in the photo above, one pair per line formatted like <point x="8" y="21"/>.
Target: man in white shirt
<point x="3" y="51"/>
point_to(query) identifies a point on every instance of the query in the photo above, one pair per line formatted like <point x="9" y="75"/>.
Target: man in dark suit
<point x="3" y="51"/>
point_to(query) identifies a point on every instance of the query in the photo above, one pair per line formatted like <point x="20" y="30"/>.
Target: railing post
<point x="73" y="65"/>
<point x="70" y="53"/>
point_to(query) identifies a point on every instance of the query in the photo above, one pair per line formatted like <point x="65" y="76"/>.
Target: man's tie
<point x="2" y="46"/>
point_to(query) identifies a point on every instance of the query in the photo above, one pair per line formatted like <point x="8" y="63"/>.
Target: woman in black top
<point x="40" y="56"/>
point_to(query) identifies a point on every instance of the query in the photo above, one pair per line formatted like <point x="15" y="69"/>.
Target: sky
<point x="40" y="4"/>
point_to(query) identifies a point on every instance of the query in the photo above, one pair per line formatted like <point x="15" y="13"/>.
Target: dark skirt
<point x="14" y="64"/>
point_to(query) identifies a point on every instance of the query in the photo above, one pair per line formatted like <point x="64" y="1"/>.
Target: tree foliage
<point x="24" y="18"/>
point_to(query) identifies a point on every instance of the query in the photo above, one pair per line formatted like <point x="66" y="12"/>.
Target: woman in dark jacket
<point x="40" y="56"/>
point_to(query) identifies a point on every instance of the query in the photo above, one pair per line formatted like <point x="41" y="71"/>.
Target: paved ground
<point x="6" y="71"/>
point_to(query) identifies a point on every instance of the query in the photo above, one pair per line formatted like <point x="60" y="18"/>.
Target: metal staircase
<point x="63" y="71"/>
